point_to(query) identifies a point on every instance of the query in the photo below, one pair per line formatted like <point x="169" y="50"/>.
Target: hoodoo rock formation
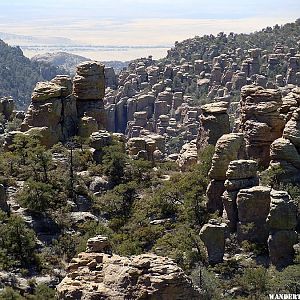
<point x="228" y="148"/>
<point x="61" y="109"/>
<point x="282" y="221"/>
<point x="240" y="174"/>
<point x="260" y="121"/>
<point x="285" y="151"/>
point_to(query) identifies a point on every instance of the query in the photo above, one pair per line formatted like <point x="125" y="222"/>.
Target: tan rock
<point x="260" y="120"/>
<point x="45" y="91"/>
<point x="241" y="169"/>
<point x="228" y="148"/>
<point x="213" y="236"/>
<point x="147" y="276"/>
<point x="253" y="204"/>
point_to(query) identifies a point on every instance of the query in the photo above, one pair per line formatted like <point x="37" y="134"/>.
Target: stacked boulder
<point x="52" y="112"/>
<point x="60" y="110"/>
<point x="89" y="91"/>
<point x="96" y="274"/>
<point x="282" y="221"/>
<point x="228" y="148"/>
<point x="253" y="205"/>
<point x="260" y="121"/>
<point x="214" y="121"/>
<point x="240" y="174"/>
<point x="285" y="151"/>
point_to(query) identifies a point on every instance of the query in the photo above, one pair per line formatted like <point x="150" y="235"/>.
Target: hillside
<point x="174" y="179"/>
<point x="18" y="75"/>
<point x="209" y="46"/>
<point x="69" y="61"/>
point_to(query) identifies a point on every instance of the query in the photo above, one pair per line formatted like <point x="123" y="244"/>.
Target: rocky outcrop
<point x="97" y="275"/>
<point x="228" y="148"/>
<point x="285" y="151"/>
<point x="282" y="221"/>
<point x="89" y="91"/>
<point x="52" y="108"/>
<point x="215" y="121"/>
<point x="260" y="121"/>
<point x="60" y="110"/>
<point x="240" y="174"/>
<point x="188" y="156"/>
<point x="213" y="236"/>
<point x="253" y="205"/>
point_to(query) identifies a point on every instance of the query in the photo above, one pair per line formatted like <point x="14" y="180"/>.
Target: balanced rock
<point x="215" y="121"/>
<point x="229" y="147"/>
<point x="98" y="244"/>
<point x="89" y="91"/>
<point x="6" y="107"/>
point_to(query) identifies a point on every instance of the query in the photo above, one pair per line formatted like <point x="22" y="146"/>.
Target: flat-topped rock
<point x="241" y="169"/>
<point x="146" y="276"/>
<point x="46" y="90"/>
<point x="215" y="108"/>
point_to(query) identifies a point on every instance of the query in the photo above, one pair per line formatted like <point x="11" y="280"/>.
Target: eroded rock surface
<point x="97" y="275"/>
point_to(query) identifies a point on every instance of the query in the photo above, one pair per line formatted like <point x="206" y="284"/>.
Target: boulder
<point x="214" y="121"/>
<point x="98" y="244"/>
<point x="229" y="147"/>
<point x="253" y="206"/>
<point x="241" y="169"/>
<point x="213" y="236"/>
<point x="283" y="212"/>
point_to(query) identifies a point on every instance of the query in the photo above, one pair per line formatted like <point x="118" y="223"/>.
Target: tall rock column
<point x="229" y="147"/>
<point x="213" y="236"/>
<point x="214" y="121"/>
<point x="260" y="121"/>
<point x="89" y="91"/>
<point x="241" y="174"/>
<point x="282" y="221"/>
<point x="253" y="205"/>
<point x="285" y="151"/>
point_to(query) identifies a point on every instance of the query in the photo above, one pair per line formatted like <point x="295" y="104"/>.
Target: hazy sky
<point x="141" y="22"/>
